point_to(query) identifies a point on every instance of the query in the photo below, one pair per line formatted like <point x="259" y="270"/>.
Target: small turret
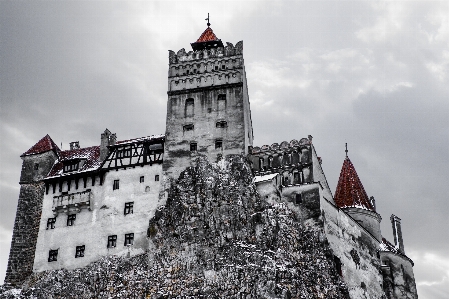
<point x="351" y="197"/>
<point x="397" y="233"/>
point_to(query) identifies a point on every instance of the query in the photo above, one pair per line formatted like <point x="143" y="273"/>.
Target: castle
<point x="81" y="204"/>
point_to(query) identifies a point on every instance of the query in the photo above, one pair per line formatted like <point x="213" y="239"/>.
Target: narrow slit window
<point x="80" y="251"/>
<point x="142" y="179"/>
<point x="193" y="147"/>
<point x="129" y="239"/>
<point x="298" y="199"/>
<point x="112" y="241"/>
<point x="36" y="166"/>
<point x="156" y="178"/>
<point x="116" y="185"/>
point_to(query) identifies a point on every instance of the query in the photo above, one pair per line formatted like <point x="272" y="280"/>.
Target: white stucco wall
<point x="105" y="217"/>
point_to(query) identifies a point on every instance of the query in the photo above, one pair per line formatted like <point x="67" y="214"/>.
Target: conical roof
<point x="44" y="145"/>
<point x="207" y="36"/>
<point x="207" y="40"/>
<point x="350" y="191"/>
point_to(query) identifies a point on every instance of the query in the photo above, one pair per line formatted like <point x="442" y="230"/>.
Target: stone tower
<point x="37" y="162"/>
<point x="208" y="108"/>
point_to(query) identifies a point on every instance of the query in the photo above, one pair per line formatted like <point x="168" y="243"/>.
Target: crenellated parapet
<point x="228" y="51"/>
<point x="293" y="160"/>
<point x="205" y="68"/>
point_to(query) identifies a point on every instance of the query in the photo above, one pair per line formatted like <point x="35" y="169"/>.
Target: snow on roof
<point x="387" y="246"/>
<point x="140" y="139"/>
<point x="44" y="145"/>
<point x="262" y="178"/>
<point x="90" y="155"/>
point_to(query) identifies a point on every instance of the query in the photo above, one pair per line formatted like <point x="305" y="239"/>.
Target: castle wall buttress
<point x="28" y="215"/>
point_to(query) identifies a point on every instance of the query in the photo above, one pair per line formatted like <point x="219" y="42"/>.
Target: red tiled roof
<point x="91" y="155"/>
<point x="207" y="36"/>
<point x="350" y="191"/>
<point x="44" y="145"/>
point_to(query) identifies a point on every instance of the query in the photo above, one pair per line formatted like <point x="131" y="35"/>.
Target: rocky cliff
<point x="214" y="238"/>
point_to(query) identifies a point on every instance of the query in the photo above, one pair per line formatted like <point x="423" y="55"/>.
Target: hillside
<point x="214" y="238"/>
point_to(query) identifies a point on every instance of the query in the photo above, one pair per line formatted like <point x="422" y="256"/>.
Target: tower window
<point x="129" y="208"/>
<point x="190" y="103"/>
<point x="112" y="241"/>
<point x="36" y="166"/>
<point x="188" y="127"/>
<point x="51" y="223"/>
<point x="218" y="144"/>
<point x="193" y="146"/>
<point x="142" y="179"/>
<point x="129" y="239"/>
<point x="53" y="255"/>
<point x="79" y="251"/>
<point x="71" y="219"/>
<point x="116" y="185"/>
<point x="156" y="178"/>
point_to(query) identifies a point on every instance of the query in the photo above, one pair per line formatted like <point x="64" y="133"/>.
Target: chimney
<point x="107" y="138"/>
<point x="397" y="232"/>
<point x="74" y="145"/>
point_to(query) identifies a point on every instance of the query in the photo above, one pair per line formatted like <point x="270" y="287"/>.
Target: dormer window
<point x="71" y="165"/>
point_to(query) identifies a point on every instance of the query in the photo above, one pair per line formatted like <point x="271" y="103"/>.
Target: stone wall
<point x="26" y="228"/>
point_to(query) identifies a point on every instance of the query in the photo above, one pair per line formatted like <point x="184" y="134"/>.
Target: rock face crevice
<point x="214" y="238"/>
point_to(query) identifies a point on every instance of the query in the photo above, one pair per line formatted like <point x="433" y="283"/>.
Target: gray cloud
<point x="374" y="75"/>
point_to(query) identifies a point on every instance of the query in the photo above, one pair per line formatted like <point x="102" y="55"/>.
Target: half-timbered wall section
<point x="87" y="200"/>
<point x="135" y="152"/>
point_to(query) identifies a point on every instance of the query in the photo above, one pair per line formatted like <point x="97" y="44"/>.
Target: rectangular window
<point x="53" y="255"/>
<point x="124" y="153"/>
<point x="129" y="208"/>
<point x="156" y="178"/>
<point x="218" y="144"/>
<point x="51" y="223"/>
<point x="71" y="165"/>
<point x="129" y="239"/>
<point x="79" y="251"/>
<point x="116" y="185"/>
<point x="112" y="241"/>
<point x="142" y="179"/>
<point x="298" y="199"/>
<point x="193" y="147"/>
<point x="36" y="166"/>
<point x="188" y="127"/>
<point x="71" y="219"/>
<point x="221" y="124"/>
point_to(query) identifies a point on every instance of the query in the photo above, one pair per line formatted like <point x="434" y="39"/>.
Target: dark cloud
<point x="374" y="75"/>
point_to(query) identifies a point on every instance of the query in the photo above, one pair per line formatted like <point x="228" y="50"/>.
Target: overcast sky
<point x="372" y="74"/>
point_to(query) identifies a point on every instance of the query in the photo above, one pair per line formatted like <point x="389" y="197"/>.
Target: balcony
<point x="71" y="203"/>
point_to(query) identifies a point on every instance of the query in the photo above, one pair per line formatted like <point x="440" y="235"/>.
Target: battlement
<point x="228" y="51"/>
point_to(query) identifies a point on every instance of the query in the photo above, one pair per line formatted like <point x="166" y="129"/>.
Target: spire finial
<point x="208" y="24"/>
<point x="346" y="150"/>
